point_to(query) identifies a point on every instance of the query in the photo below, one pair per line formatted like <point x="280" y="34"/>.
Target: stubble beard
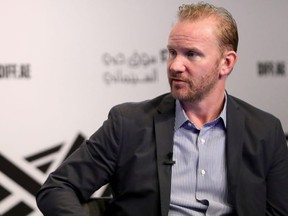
<point x="194" y="91"/>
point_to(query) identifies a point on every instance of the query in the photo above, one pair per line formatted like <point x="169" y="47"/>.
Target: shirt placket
<point x="203" y="173"/>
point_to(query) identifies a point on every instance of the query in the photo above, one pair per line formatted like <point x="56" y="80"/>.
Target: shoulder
<point x="131" y="116"/>
<point x="147" y="107"/>
<point x="251" y="113"/>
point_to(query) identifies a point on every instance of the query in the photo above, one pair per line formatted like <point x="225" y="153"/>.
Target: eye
<point x="172" y="53"/>
<point x="191" y="54"/>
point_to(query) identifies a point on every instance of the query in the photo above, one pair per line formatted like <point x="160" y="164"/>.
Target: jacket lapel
<point x="234" y="145"/>
<point x="164" y="132"/>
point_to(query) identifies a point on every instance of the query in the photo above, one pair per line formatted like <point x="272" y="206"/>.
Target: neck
<point x="204" y="111"/>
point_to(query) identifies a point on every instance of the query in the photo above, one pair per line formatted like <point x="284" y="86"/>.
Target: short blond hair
<point x="227" y="32"/>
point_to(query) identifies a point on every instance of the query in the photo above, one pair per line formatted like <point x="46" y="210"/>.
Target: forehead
<point x="190" y="32"/>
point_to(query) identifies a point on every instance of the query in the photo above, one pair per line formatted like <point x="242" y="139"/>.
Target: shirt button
<point x="203" y="172"/>
<point x="202" y="141"/>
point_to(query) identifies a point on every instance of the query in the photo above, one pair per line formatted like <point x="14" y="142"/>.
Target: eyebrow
<point x="185" y="49"/>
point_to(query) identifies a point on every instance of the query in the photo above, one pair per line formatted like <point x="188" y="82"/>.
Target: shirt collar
<point x="181" y="117"/>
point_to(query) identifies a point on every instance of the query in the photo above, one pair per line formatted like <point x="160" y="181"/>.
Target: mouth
<point x="177" y="80"/>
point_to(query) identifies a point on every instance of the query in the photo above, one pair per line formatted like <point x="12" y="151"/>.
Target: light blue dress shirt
<point x="199" y="180"/>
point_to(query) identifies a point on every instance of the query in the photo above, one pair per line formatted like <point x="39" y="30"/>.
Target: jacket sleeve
<point x="277" y="178"/>
<point x="84" y="172"/>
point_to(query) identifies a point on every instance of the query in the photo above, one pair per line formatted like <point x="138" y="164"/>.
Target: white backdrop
<point x="65" y="63"/>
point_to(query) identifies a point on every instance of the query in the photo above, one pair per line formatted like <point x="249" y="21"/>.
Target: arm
<point x="81" y="174"/>
<point x="277" y="178"/>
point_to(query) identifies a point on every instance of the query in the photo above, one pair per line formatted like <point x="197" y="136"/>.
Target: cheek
<point x="168" y="67"/>
<point x="167" y="70"/>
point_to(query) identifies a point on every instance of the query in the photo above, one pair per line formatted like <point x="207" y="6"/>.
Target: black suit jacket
<point x="132" y="151"/>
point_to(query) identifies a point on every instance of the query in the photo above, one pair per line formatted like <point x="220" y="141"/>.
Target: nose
<point x="176" y="65"/>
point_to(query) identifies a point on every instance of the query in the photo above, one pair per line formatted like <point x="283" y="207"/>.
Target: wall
<point x="65" y="63"/>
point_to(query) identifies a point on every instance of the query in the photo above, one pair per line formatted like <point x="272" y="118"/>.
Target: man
<point x="196" y="151"/>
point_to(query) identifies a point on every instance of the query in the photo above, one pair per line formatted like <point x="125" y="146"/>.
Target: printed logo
<point x="14" y="179"/>
<point x="270" y="68"/>
<point x="137" y="68"/>
<point x="15" y="71"/>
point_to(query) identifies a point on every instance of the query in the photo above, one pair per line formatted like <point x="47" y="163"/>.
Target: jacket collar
<point x="164" y="130"/>
<point x="234" y="145"/>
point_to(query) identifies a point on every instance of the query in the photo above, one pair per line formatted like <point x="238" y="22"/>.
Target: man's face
<point x="194" y="57"/>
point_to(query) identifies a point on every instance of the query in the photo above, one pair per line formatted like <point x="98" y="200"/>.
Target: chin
<point x="180" y="95"/>
<point x="186" y="97"/>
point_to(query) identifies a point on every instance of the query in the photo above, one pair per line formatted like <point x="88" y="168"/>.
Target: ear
<point x="228" y="61"/>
